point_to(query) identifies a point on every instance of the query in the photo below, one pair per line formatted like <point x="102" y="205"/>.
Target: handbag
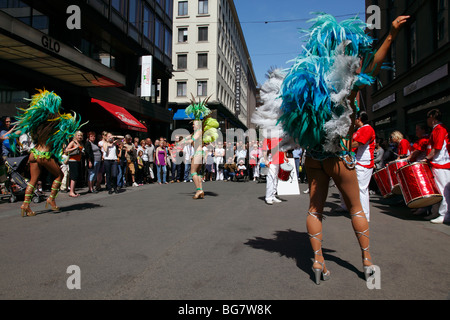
<point x="75" y="152"/>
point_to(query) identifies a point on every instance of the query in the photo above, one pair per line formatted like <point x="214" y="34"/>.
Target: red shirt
<point x="365" y="135"/>
<point x="440" y="142"/>
<point x="421" y="144"/>
<point x="403" y="148"/>
<point x="277" y="156"/>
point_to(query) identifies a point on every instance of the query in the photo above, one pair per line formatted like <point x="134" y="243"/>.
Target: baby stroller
<point x="15" y="184"/>
<point x="241" y="173"/>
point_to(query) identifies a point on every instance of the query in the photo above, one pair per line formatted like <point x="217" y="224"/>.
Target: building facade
<point x="211" y="59"/>
<point x="420" y="79"/>
<point x="89" y="52"/>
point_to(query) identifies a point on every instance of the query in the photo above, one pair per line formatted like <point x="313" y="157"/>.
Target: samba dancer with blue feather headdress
<point x="50" y="130"/>
<point x="318" y="112"/>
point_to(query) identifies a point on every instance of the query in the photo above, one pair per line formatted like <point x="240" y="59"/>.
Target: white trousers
<point x="364" y="175"/>
<point x="442" y="179"/>
<point x="272" y="181"/>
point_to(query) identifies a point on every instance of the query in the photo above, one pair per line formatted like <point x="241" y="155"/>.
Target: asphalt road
<point x="155" y="242"/>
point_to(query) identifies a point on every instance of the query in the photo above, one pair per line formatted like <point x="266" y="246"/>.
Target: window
<point x="182" y="62"/>
<point x="441" y="20"/>
<point x="134" y="15"/>
<point x="159" y="34"/>
<point x="202" y="61"/>
<point x="40" y="21"/>
<point x="181" y="89"/>
<point x="182" y="8"/>
<point x="202" y="6"/>
<point x="182" y="34"/>
<point x="120" y="6"/>
<point x="148" y="23"/>
<point x="169" y="8"/>
<point x="168" y="43"/>
<point x="441" y="29"/>
<point x="202" y="88"/>
<point x="413" y="44"/>
<point x="202" y="33"/>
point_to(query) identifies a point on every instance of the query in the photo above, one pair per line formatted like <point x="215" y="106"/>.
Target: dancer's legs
<point x="347" y="182"/>
<point x="196" y="166"/>
<point x="318" y="187"/>
<point x="53" y="168"/>
<point x="35" y="171"/>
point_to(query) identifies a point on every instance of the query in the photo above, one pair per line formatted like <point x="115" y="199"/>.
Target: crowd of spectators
<point x="104" y="161"/>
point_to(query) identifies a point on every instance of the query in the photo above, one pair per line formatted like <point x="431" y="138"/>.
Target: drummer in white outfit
<point x="272" y="158"/>
<point x="364" y="142"/>
<point x="439" y="160"/>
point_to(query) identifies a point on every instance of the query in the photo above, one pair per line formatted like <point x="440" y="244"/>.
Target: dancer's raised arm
<point x="382" y="52"/>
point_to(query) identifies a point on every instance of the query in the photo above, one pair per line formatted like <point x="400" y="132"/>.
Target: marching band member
<point x="420" y="147"/>
<point x="439" y="160"/>
<point x="273" y="157"/>
<point x="276" y="141"/>
<point x="403" y="146"/>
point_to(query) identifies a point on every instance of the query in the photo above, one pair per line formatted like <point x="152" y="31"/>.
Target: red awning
<point x="127" y="121"/>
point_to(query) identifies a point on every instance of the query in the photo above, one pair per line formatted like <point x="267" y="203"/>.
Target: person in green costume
<point x="50" y="129"/>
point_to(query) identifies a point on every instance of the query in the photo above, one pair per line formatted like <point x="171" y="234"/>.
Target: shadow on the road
<point x="207" y="194"/>
<point x="75" y="207"/>
<point x="296" y="245"/>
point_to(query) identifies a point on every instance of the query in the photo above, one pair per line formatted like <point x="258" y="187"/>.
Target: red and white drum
<point x="383" y="182"/>
<point x="285" y="171"/>
<point x="393" y="166"/>
<point x="418" y="186"/>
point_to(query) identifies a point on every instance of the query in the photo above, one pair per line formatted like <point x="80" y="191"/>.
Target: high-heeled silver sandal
<point x="318" y="272"/>
<point x="368" y="270"/>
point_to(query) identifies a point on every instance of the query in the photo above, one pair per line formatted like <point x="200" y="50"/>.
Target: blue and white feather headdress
<point x="315" y="110"/>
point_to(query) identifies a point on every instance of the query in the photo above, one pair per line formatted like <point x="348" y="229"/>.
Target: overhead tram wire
<point x="269" y="21"/>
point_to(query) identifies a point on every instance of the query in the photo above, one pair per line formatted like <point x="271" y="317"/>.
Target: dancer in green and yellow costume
<point x="205" y="132"/>
<point x="50" y="130"/>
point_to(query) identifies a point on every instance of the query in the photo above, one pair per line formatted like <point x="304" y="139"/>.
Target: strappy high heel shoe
<point x="318" y="272"/>
<point x="51" y="199"/>
<point x="199" y="194"/>
<point x="51" y="202"/>
<point x="369" y="270"/>
<point x="25" y="208"/>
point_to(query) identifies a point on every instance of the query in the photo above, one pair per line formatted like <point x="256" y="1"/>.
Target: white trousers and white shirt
<point x="440" y="166"/>
<point x="364" y="165"/>
<point x="272" y="181"/>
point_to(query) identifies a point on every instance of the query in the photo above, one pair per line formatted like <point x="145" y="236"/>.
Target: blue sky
<point x="278" y="41"/>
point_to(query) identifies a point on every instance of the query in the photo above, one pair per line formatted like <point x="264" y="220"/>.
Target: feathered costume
<point x="50" y="130"/>
<point x="266" y="116"/>
<point x="207" y="133"/>
<point x="209" y="125"/>
<point x="46" y="125"/>
<point x="315" y="109"/>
